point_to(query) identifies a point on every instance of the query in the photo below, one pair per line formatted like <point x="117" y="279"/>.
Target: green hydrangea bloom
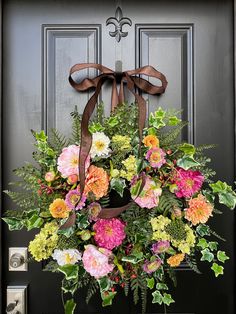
<point x="123" y="141"/>
<point x="44" y="242"/>
<point x="130" y="168"/>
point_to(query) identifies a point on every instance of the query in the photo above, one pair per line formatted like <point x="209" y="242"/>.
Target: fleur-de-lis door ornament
<point x="118" y="21"/>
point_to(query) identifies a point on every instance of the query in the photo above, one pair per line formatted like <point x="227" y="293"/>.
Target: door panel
<point x="191" y="42"/>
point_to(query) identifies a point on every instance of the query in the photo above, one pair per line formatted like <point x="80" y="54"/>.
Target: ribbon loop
<point x="132" y="80"/>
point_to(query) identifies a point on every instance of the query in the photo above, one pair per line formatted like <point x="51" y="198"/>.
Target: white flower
<point x="63" y="257"/>
<point x="100" y="145"/>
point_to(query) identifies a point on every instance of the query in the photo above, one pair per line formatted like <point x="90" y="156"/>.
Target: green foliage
<point x="70" y="271"/>
<point x="225" y="192"/>
<point x="67" y="243"/>
<point x="139" y="286"/>
<point x="118" y="185"/>
<point x="207" y="255"/>
<point x="172" y="275"/>
<point x="192" y="263"/>
<point x="168" y="138"/>
<point x="167" y="202"/>
<point x="58" y="141"/>
<point x="92" y="289"/>
<point x="70" y="306"/>
<point x="51" y="266"/>
<point x="176" y="230"/>
<point x="218" y="270"/>
<point x="222" y="257"/>
<point x="187" y="162"/>
<point x="76" y="126"/>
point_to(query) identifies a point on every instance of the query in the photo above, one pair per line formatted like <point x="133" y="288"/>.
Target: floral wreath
<point x="144" y="208"/>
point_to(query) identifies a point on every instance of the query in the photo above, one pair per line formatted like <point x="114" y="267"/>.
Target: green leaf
<point x="96" y="127"/>
<point x="70" y="271"/>
<point x="82" y="221"/>
<point x="67" y="232"/>
<point x="70" y="306"/>
<point x="107" y="297"/>
<point x="118" y="185"/>
<point x="40" y="136"/>
<point x="157" y="297"/>
<point x="104" y="283"/>
<point x="167" y="299"/>
<point x="213" y="245"/>
<point x="202" y="243"/>
<point x="161" y="286"/>
<point x="221" y="256"/>
<point x="203" y="230"/>
<point x="187" y="162"/>
<point x="218" y="270"/>
<point x="219" y="186"/>
<point x="131" y="259"/>
<point x="207" y="255"/>
<point x="174" y="121"/>
<point x="14" y="223"/>
<point x="228" y="199"/>
<point x="113" y="121"/>
<point x="150" y="282"/>
<point x="188" y="149"/>
<point x="34" y="222"/>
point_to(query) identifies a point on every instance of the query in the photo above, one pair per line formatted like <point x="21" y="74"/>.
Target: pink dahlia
<point x="188" y="182"/>
<point x="156" y="157"/>
<point x="109" y="232"/>
<point x="151" y="266"/>
<point x="73" y="200"/>
<point x="67" y="162"/>
<point x="149" y="196"/>
<point x="96" y="261"/>
<point x="160" y="246"/>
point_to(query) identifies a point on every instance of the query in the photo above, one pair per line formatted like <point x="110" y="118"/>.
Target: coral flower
<point x="188" y="182"/>
<point x="97" y="182"/>
<point x="151" y="141"/>
<point x="73" y="200"/>
<point x="199" y="210"/>
<point x="67" y="162"/>
<point x="109" y="232"/>
<point x="156" y="157"/>
<point x="59" y="209"/>
<point x="149" y="196"/>
<point x="175" y="260"/>
<point x="96" y="261"/>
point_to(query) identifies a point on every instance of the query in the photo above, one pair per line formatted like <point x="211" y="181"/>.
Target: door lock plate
<point x="18" y="259"/>
<point x="16" y="299"/>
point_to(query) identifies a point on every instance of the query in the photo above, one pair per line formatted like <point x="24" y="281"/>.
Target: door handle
<point x="17" y="260"/>
<point x="11" y="306"/>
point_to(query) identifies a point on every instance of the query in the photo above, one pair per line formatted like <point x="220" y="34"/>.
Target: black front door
<point x="191" y="42"/>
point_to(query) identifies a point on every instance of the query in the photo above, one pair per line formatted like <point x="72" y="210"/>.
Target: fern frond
<point x="24" y="200"/>
<point x="201" y="148"/>
<point x="76" y="126"/>
<point x="167" y="202"/>
<point x="171" y="136"/>
<point x="172" y="275"/>
<point x="58" y="141"/>
<point x="92" y="289"/>
<point x="192" y="263"/>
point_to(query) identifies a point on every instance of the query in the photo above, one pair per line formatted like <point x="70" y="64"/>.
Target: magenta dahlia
<point x="109" y="233"/>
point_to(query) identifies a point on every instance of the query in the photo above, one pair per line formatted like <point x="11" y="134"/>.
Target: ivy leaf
<point x="207" y="255"/>
<point x="34" y="222"/>
<point x="104" y="283"/>
<point x="202" y="243"/>
<point x="82" y="221"/>
<point x="203" y="230"/>
<point x="70" y="306"/>
<point x="96" y="127"/>
<point x="213" y="245"/>
<point x="157" y="297"/>
<point x="161" y="286"/>
<point x="113" y="121"/>
<point x="174" y="120"/>
<point x="70" y="271"/>
<point x="14" y="223"/>
<point x="188" y="149"/>
<point x="228" y="199"/>
<point x="221" y="256"/>
<point x="107" y="297"/>
<point x="150" y="282"/>
<point x="219" y="186"/>
<point x="187" y="162"/>
<point x="167" y="299"/>
<point x="118" y="185"/>
<point x="218" y="270"/>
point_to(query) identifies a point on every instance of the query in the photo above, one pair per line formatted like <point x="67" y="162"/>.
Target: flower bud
<point x="72" y="179"/>
<point x="50" y="176"/>
<point x="85" y="235"/>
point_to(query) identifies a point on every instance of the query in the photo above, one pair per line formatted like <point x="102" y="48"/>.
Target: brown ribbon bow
<point x="132" y="81"/>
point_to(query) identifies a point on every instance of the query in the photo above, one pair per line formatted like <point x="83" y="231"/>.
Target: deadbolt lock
<point x="16" y="260"/>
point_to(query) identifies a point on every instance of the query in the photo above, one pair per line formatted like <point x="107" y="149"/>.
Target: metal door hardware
<point x="16" y="300"/>
<point x="18" y="259"/>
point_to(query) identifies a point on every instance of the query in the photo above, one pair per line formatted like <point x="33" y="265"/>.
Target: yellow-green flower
<point x="44" y="242"/>
<point x="130" y="168"/>
<point x="158" y="226"/>
<point x="123" y="141"/>
<point x="185" y="245"/>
